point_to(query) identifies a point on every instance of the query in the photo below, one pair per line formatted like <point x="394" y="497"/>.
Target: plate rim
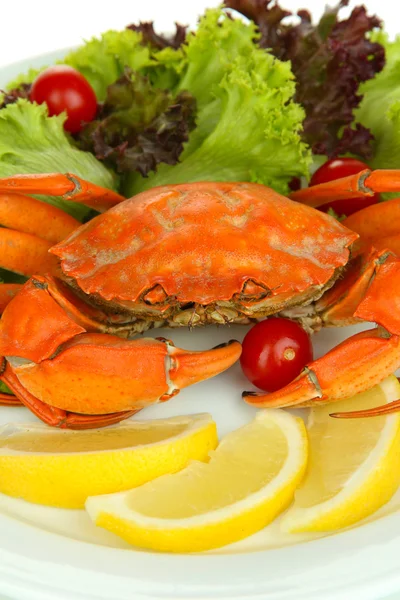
<point x="74" y="570"/>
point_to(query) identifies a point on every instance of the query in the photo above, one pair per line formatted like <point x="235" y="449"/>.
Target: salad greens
<point x="139" y="126"/>
<point x="233" y="101"/>
<point x="247" y="122"/>
<point x="247" y="125"/>
<point x="380" y="108"/>
<point x="329" y="60"/>
<point x="32" y="142"/>
<point x="151" y="37"/>
<point x="101" y="60"/>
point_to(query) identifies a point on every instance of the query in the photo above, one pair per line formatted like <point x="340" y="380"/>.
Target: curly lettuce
<point x="139" y="126"/>
<point x="103" y="60"/>
<point x="380" y="107"/>
<point x="248" y="126"/>
<point x="33" y="142"/>
<point x="330" y="58"/>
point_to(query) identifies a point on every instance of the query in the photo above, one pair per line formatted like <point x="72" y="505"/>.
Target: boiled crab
<point x="183" y="255"/>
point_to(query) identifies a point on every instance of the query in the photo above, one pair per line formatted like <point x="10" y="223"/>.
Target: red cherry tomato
<point x="274" y="352"/>
<point x="63" y="88"/>
<point x="335" y="169"/>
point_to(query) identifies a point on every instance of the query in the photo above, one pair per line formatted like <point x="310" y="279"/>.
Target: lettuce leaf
<point x="32" y="142"/>
<point x="248" y="126"/>
<point x="23" y="79"/>
<point x="329" y="59"/>
<point x="139" y="126"/>
<point x="5" y="389"/>
<point x="380" y="108"/>
<point x="103" y="61"/>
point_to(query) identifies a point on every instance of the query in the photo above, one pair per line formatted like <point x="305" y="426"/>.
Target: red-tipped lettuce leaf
<point x="330" y="60"/>
<point x="149" y="35"/>
<point x="139" y="126"/>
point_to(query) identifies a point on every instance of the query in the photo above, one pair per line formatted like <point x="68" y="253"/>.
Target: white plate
<point x="59" y="554"/>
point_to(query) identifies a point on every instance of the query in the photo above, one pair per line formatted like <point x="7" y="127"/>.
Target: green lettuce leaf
<point x="248" y="124"/>
<point x="24" y="78"/>
<point x="139" y="125"/>
<point x="31" y="142"/>
<point x="210" y="51"/>
<point x="166" y="68"/>
<point x="5" y="389"/>
<point x="380" y="107"/>
<point x="103" y="60"/>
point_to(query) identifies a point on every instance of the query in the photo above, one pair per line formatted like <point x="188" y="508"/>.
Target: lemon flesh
<point x="249" y="480"/>
<point x="63" y="467"/>
<point x="354" y="464"/>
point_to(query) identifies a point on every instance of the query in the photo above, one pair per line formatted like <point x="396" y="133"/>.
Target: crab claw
<point x="188" y="367"/>
<point x="353" y="366"/>
<point x="97" y="374"/>
<point x="71" y="377"/>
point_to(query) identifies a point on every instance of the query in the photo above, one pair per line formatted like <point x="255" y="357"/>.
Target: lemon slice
<point x="354" y="465"/>
<point x="249" y="480"/>
<point x="62" y="468"/>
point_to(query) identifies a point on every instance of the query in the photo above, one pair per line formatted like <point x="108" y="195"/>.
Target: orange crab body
<point x="204" y="253"/>
<point x="182" y="255"/>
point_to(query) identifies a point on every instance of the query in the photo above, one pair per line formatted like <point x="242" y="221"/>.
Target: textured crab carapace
<point x="205" y="253"/>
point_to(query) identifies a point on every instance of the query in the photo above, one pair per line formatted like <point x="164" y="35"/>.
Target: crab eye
<point x="252" y="288"/>
<point x="156" y="295"/>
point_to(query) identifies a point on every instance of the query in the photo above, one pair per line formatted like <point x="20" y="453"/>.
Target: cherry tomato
<point x="63" y="88"/>
<point x="274" y="352"/>
<point x="335" y="169"/>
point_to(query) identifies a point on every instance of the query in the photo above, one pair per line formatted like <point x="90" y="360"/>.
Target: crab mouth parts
<point x="127" y="318"/>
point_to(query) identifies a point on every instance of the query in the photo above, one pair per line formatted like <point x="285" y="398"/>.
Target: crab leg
<point x="378" y="224"/>
<point x="68" y="186"/>
<point x="53" y="364"/>
<point x="366" y="183"/>
<point x="9" y="400"/>
<point x="337" y="307"/>
<point x="25" y="253"/>
<point x="29" y="215"/>
<point x="7" y="292"/>
<point x="29" y="228"/>
<point x="386" y="409"/>
<point x="96" y="373"/>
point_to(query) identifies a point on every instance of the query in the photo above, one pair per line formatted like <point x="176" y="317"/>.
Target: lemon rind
<point x="317" y="517"/>
<point x="292" y="469"/>
<point x="195" y="422"/>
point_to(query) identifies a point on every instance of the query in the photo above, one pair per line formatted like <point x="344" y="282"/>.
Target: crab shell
<point x="205" y="252"/>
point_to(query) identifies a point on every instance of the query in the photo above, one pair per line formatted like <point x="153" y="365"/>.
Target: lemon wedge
<point x="249" y="480"/>
<point x="62" y="467"/>
<point x="354" y="465"/>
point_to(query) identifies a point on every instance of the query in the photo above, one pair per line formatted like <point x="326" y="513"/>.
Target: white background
<point x="31" y="27"/>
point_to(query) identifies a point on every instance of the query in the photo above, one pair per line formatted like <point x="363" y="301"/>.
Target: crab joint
<point x="303" y="389"/>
